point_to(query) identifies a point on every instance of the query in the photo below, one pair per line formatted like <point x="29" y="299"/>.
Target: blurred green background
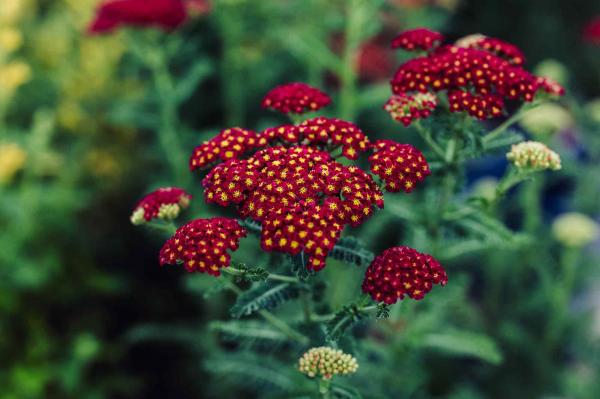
<point x="85" y="311"/>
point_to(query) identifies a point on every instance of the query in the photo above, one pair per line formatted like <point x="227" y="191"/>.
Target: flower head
<point x="533" y="156"/>
<point x="325" y="362"/>
<point x="476" y="81"/>
<point x="296" y="98"/>
<point x="283" y="133"/>
<point x="591" y="31"/>
<point x="202" y="244"/>
<point x="407" y="107"/>
<point x="575" y="229"/>
<point x="502" y="49"/>
<point x="228" y="144"/>
<point x="401" y="271"/>
<point x="300" y="195"/>
<point x="417" y="39"/>
<point x="336" y="132"/>
<point x="112" y="14"/>
<point x="400" y="166"/>
<point x="165" y="203"/>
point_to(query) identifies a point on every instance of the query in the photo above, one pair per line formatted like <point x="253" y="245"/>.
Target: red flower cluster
<point x="283" y="134"/>
<point x="400" y="166"/>
<point x="336" y="132"/>
<point x="111" y="14"/>
<point x="417" y="39"/>
<point x="400" y="271"/>
<point x="502" y="49"/>
<point x="295" y="97"/>
<point x="591" y="31"/>
<point x="300" y="195"/>
<point x="550" y="86"/>
<point x="482" y="106"/>
<point x="405" y="107"/>
<point x="163" y="203"/>
<point x="486" y="78"/>
<point x="229" y="144"/>
<point x="202" y="245"/>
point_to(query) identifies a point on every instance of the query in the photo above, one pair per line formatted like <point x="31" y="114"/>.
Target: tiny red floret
<point x="417" y="39"/>
<point x="296" y="98"/>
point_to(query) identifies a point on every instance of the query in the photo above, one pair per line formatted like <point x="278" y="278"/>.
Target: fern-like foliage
<point x="298" y="266"/>
<point x="251" y="273"/>
<point x="351" y="250"/>
<point x="264" y="296"/>
<point x="249" y="333"/>
<point x="342" y="320"/>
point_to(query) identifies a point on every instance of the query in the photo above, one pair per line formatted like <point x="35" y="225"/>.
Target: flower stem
<point x="325" y="388"/>
<point x="508" y="123"/>
<point x="426" y="136"/>
<point x="347" y="73"/>
<point x="274" y="320"/>
<point x="272" y="276"/>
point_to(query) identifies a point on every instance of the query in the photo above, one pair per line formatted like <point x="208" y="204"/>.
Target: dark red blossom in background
<point x="375" y="59"/>
<point x="417" y="39"/>
<point x="591" y="31"/>
<point x="302" y="198"/>
<point x="401" y="271"/>
<point x="335" y="132"/>
<point x="406" y="108"/>
<point x="112" y="14"/>
<point x="202" y="244"/>
<point x="228" y="144"/>
<point x="150" y="206"/>
<point x="295" y="98"/>
<point x="502" y="49"/>
<point x="400" y="166"/>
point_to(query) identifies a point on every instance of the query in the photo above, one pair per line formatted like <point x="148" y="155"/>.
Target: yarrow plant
<point x="299" y="185"/>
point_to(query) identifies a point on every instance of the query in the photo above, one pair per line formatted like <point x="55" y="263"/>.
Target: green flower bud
<point x="325" y="362"/>
<point x="531" y="156"/>
<point x="575" y="229"/>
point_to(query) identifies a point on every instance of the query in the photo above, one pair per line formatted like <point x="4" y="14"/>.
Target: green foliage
<point x="352" y="251"/>
<point x="263" y="296"/>
<point x="464" y="343"/>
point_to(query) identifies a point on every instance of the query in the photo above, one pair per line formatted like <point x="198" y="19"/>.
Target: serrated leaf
<point x="464" y="343"/>
<point x="251" y="273"/>
<point x="248" y="330"/>
<point x="342" y="320"/>
<point x="298" y="266"/>
<point x="264" y="296"/>
<point x="350" y="250"/>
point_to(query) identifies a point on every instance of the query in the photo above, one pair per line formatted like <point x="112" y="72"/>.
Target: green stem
<point x="347" y="73"/>
<point x="325" y="388"/>
<point x="272" y="276"/>
<point x="508" y="123"/>
<point x="166" y="227"/>
<point x="426" y="136"/>
<point x="274" y="320"/>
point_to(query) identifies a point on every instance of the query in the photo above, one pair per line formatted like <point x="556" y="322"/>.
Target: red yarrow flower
<point x="406" y="108"/>
<point x="295" y="98"/>
<point x="400" y="166"/>
<point x="481" y="106"/>
<point x="400" y="271"/>
<point x="302" y="198"/>
<point x="112" y="14"/>
<point x="418" y="39"/>
<point x="550" y="86"/>
<point x="165" y="203"/>
<point x="202" y="245"/>
<point x="228" y="144"/>
<point x="334" y="132"/>
<point x="591" y="31"/>
<point x="502" y="49"/>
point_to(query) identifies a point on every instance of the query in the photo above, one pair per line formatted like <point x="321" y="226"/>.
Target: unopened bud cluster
<point x="531" y="156"/>
<point x="326" y="362"/>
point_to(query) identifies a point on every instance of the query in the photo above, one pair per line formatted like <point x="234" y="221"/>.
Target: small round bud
<point x="575" y="229"/>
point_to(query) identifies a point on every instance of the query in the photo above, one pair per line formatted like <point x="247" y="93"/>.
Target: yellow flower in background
<point x="12" y="11"/>
<point x="102" y="164"/>
<point x="592" y="108"/>
<point x="10" y="40"/>
<point x="547" y="119"/>
<point x="554" y="70"/>
<point x="13" y="75"/>
<point x="574" y="229"/>
<point x="12" y="159"/>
